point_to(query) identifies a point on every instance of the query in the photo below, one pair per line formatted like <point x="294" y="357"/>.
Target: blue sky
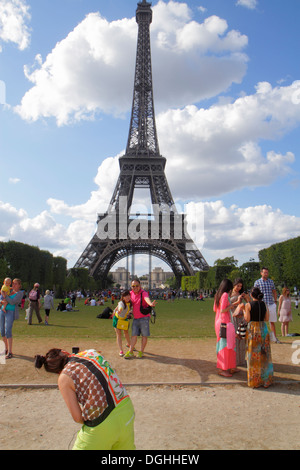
<point x="227" y="100"/>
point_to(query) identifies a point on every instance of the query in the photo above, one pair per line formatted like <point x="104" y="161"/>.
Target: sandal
<point x="225" y="374"/>
<point x="8" y="356"/>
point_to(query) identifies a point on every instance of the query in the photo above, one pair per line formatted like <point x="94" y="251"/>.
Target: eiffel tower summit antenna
<point x="162" y="233"/>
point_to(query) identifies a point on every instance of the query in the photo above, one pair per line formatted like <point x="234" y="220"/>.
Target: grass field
<point x="180" y="319"/>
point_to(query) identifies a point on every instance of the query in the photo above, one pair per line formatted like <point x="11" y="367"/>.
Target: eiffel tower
<point x="161" y="234"/>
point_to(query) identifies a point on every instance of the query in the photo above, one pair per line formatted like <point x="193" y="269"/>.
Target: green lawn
<point x="179" y="319"/>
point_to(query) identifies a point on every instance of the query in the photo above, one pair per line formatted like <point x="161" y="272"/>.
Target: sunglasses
<point x="136" y="285"/>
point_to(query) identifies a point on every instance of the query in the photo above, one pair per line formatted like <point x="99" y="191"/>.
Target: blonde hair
<point x="285" y="290"/>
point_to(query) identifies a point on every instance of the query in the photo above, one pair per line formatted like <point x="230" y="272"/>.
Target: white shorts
<point x="272" y="312"/>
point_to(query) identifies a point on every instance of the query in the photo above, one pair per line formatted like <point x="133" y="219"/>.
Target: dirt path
<point x="176" y="392"/>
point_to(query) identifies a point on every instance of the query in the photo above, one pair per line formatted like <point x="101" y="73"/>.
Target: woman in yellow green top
<point x="121" y="320"/>
<point x="95" y="397"/>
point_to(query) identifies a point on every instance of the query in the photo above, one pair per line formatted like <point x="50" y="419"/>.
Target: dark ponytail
<point x="54" y="361"/>
<point x="39" y="361"/>
<point x="257" y="294"/>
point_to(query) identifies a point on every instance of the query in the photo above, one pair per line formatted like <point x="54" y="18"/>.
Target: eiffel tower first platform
<point x="161" y="233"/>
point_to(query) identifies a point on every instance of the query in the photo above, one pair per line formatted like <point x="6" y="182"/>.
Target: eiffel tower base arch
<point x="110" y="252"/>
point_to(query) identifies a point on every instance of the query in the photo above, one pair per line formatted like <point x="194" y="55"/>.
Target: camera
<point x="153" y="315"/>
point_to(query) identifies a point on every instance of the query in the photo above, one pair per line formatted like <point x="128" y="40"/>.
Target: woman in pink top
<point x="226" y="355"/>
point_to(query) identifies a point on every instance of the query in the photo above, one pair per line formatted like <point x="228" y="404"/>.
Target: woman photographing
<point x="95" y="398"/>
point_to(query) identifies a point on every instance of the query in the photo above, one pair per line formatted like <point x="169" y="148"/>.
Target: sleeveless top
<point x="258" y="311"/>
<point x="10" y="307"/>
<point x="122" y="310"/>
<point x="97" y="386"/>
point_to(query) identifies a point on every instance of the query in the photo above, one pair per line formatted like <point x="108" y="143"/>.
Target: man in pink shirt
<point x="140" y="324"/>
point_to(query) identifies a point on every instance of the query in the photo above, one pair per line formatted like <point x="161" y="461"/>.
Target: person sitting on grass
<point x="61" y="306"/>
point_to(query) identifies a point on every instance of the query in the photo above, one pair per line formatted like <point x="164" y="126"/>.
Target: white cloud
<point x="2" y="90"/>
<point x="217" y="149"/>
<point x="9" y="216"/>
<point x="84" y="73"/>
<point x="14" y="180"/>
<point x="228" y="231"/>
<point x="45" y="232"/>
<point x="43" y="229"/>
<point x="14" y="16"/>
<point x="235" y="227"/>
<point x="105" y="180"/>
<point x="251" y="4"/>
<point x="91" y="70"/>
<point x="242" y="232"/>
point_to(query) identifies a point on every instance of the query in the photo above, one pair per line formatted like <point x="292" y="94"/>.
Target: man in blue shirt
<point x="267" y="287"/>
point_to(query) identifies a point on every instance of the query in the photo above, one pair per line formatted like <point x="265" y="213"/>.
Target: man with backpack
<point x="34" y="303"/>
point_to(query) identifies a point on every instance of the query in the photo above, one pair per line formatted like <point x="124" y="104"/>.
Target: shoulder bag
<point x="145" y="310"/>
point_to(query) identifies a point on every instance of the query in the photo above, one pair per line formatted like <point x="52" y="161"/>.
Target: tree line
<point x="30" y="264"/>
<point x="223" y="268"/>
<point x="282" y="260"/>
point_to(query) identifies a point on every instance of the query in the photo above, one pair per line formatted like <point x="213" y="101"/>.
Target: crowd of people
<point x="13" y="297"/>
<point x="241" y="327"/>
<point x="243" y="338"/>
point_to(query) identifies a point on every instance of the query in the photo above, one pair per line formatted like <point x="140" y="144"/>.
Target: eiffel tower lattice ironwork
<point x="162" y="234"/>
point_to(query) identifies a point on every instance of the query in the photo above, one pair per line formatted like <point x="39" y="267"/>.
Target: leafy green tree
<point x="59" y="271"/>
<point x="283" y="261"/>
<point x="31" y="265"/>
<point x="228" y="261"/>
<point x="4" y="270"/>
<point x="250" y="272"/>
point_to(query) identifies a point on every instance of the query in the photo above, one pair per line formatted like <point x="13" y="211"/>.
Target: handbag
<point x="223" y="330"/>
<point x="145" y="310"/>
<point x="242" y="330"/>
<point x="122" y="324"/>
